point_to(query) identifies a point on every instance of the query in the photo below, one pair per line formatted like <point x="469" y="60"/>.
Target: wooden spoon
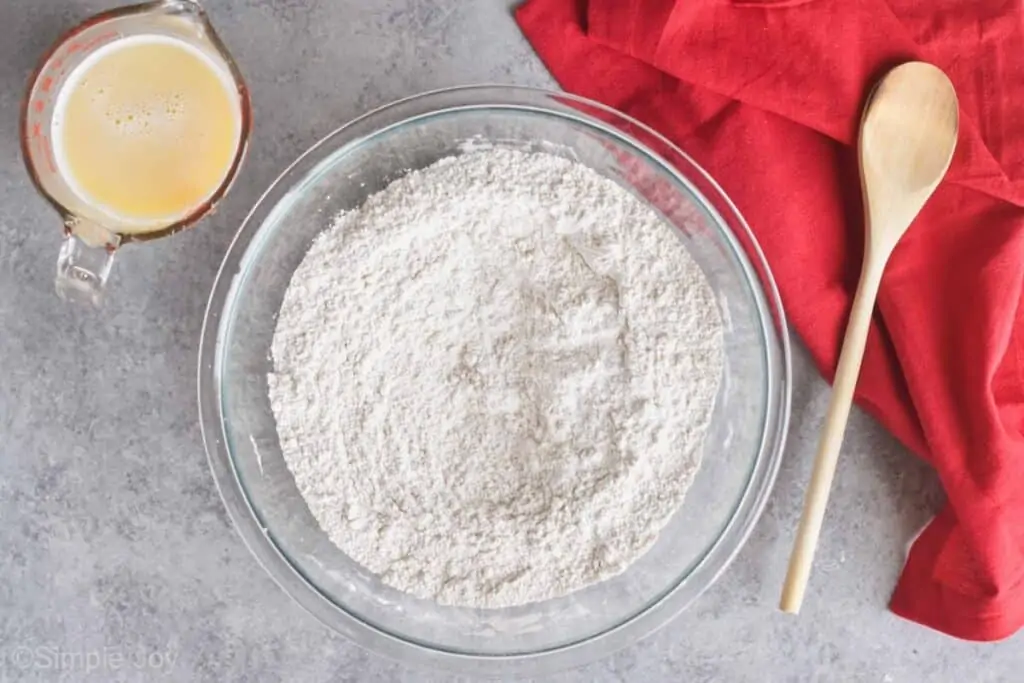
<point x="907" y="136"/>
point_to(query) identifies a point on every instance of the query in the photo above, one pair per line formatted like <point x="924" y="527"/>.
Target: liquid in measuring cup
<point x="133" y="126"/>
<point x="146" y="129"/>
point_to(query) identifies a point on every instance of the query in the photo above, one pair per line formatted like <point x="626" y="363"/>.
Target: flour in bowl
<point x="493" y="380"/>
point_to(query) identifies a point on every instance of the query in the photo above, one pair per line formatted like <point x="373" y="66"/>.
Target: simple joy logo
<point x="50" y="657"/>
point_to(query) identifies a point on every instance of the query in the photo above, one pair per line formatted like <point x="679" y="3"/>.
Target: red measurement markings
<point x="56" y="65"/>
<point x="101" y="38"/>
<point x="39" y="105"/>
<point x="44" y="145"/>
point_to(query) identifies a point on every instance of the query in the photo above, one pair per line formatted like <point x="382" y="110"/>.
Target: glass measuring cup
<point x="92" y="234"/>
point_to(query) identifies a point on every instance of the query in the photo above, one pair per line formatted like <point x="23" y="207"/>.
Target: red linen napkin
<point x="766" y="96"/>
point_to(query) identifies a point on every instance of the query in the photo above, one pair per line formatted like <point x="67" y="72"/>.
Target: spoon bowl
<point x="907" y="138"/>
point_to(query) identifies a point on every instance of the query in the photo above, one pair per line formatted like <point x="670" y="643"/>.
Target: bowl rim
<point x="719" y="554"/>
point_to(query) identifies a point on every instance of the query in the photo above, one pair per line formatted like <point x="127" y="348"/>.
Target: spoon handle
<point x="816" y="497"/>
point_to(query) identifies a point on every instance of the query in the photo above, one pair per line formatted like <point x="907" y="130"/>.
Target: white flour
<point x="493" y="380"/>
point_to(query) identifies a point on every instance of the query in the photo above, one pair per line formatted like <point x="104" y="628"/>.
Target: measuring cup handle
<point x="83" y="268"/>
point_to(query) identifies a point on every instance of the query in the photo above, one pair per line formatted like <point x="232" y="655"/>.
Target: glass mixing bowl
<point x="741" y="453"/>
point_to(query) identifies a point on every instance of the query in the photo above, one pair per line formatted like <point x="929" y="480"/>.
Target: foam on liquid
<point x="146" y="129"/>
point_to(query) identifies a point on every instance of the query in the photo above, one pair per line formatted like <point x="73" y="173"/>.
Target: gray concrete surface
<point x="112" y="537"/>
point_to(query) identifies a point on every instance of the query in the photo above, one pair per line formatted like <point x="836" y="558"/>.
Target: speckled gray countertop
<point x="112" y="536"/>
